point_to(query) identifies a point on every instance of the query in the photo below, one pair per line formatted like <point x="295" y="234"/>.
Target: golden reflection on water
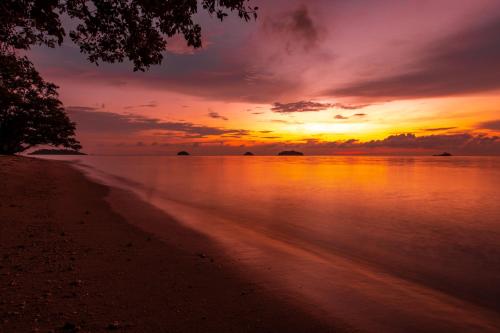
<point x="413" y="239"/>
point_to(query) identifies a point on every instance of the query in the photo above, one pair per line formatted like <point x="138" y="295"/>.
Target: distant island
<point x="56" y="152"/>
<point x="290" y="153"/>
<point x="443" y="154"/>
<point x="248" y="153"/>
<point x="183" y="153"/>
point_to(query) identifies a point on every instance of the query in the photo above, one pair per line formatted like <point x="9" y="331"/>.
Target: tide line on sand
<point x="68" y="261"/>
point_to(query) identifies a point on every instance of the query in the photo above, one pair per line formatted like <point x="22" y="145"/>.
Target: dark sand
<point x="69" y="262"/>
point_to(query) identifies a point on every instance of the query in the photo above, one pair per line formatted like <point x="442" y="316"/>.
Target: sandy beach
<point x="70" y="262"/>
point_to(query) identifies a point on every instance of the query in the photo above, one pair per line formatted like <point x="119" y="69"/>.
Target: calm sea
<point x="389" y="244"/>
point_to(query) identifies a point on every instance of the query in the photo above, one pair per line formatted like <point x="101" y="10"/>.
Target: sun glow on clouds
<point x="318" y="70"/>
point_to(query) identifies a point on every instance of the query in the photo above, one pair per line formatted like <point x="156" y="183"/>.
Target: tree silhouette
<point x="105" y="30"/>
<point x="111" y="30"/>
<point x="30" y="112"/>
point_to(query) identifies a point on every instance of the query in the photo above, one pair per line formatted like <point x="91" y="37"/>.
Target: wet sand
<point x="70" y="262"/>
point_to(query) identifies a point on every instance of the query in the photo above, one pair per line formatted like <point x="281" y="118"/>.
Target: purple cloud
<point x="295" y="28"/>
<point x="491" y="125"/>
<point x="438" y="129"/>
<point x="301" y="106"/>
<point x="311" y="106"/>
<point x="90" y="120"/>
<point x="457" y="144"/>
<point x="151" y="104"/>
<point x="215" y="115"/>
<point x="466" y="62"/>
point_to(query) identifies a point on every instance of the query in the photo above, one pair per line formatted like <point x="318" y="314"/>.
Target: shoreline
<point x="75" y="256"/>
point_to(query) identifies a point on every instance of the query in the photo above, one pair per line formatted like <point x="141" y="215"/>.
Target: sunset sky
<point x="323" y="77"/>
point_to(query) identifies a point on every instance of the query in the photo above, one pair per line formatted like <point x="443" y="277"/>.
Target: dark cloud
<point x="311" y="106"/>
<point x="359" y="114"/>
<point x="302" y="25"/>
<point x="465" y="62"/>
<point x="408" y="143"/>
<point x="301" y="106"/>
<point x="296" y="28"/>
<point x="239" y="84"/>
<point x="464" y="143"/>
<point x="491" y="125"/>
<point x="341" y="117"/>
<point x="215" y="115"/>
<point x="236" y="82"/>
<point x="215" y="74"/>
<point x="90" y="120"/>
<point x="236" y="133"/>
<point x="151" y="104"/>
<point x="437" y="129"/>
<point x="410" y="140"/>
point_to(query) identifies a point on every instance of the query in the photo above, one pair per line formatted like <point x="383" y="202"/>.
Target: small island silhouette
<point x="290" y="153"/>
<point x="56" y="152"/>
<point x="248" y="153"/>
<point x="443" y="154"/>
<point x="183" y="153"/>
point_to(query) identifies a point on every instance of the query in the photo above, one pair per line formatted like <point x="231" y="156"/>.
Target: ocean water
<point x="387" y="244"/>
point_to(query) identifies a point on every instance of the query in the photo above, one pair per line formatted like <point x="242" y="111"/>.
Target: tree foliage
<point x="111" y="30"/>
<point x="30" y="111"/>
<point x="105" y="30"/>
